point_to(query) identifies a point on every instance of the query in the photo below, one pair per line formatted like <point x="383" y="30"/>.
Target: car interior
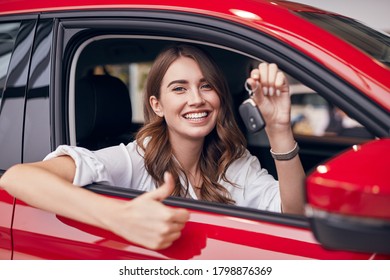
<point x="109" y="79"/>
<point x="103" y="100"/>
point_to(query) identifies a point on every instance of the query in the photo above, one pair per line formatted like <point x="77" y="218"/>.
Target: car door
<point x="214" y="231"/>
<point x="16" y="37"/>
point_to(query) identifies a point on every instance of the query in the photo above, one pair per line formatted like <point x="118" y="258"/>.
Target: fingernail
<point x="271" y="91"/>
<point x="278" y="93"/>
<point x="265" y="90"/>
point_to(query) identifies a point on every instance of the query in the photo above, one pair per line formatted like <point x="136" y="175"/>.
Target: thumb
<point x="164" y="190"/>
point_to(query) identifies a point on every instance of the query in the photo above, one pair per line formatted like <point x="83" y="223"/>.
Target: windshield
<point x="373" y="42"/>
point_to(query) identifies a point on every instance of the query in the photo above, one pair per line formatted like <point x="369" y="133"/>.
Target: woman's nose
<point x="195" y="98"/>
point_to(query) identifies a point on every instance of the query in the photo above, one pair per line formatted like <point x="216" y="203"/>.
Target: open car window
<point x="112" y="71"/>
<point x="122" y="64"/>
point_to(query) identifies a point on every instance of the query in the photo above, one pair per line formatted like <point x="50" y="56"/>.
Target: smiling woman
<point x="200" y="89"/>
<point x="190" y="132"/>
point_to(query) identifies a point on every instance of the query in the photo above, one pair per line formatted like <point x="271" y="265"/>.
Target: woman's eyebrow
<point x="177" y="82"/>
<point x="184" y="82"/>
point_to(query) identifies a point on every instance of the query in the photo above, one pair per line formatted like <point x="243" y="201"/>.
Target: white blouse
<point x="123" y="166"/>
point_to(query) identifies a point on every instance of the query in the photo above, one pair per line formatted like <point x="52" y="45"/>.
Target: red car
<point x="58" y="56"/>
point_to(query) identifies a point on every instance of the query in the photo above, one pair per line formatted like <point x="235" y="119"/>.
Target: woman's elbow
<point x="11" y="177"/>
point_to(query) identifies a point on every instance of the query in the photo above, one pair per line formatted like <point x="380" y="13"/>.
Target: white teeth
<point x="196" y="115"/>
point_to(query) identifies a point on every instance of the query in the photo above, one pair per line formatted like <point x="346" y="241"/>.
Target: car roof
<point x="222" y="7"/>
<point x="276" y="18"/>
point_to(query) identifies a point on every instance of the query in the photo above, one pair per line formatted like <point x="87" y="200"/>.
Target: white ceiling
<point x="374" y="13"/>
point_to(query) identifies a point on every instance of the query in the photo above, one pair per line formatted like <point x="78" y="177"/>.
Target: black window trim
<point x="18" y="17"/>
<point x="215" y="208"/>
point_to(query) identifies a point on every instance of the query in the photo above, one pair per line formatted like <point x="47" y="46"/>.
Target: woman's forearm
<point x="46" y="190"/>
<point x="291" y="178"/>
<point x="291" y="174"/>
<point x="144" y="220"/>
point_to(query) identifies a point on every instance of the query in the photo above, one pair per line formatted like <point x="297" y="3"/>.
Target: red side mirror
<point x="348" y="199"/>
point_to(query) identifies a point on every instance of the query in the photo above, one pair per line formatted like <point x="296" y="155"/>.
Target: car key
<point x="250" y="113"/>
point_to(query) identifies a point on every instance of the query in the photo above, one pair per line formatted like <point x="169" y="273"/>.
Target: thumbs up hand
<point x="147" y="221"/>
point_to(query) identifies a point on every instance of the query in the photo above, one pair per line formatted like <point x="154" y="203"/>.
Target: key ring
<point x="249" y="90"/>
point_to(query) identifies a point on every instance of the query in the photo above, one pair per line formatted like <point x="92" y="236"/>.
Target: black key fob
<point x="251" y="116"/>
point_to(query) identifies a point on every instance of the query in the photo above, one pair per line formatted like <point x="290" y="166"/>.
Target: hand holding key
<point x="271" y="94"/>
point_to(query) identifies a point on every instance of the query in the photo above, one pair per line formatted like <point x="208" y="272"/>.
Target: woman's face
<point x="189" y="104"/>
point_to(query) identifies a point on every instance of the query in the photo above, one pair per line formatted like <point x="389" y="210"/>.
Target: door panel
<point x="42" y="235"/>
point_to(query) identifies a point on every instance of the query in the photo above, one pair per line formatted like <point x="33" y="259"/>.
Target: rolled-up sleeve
<point x="110" y="166"/>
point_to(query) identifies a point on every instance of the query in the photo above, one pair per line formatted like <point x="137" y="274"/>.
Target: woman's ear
<point x="156" y="106"/>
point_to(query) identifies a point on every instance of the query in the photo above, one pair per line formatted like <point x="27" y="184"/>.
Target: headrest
<point x="103" y="107"/>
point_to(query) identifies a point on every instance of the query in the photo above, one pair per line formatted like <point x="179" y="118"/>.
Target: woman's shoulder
<point x="134" y="147"/>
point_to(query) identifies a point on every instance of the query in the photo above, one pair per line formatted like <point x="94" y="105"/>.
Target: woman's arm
<point x="272" y="96"/>
<point x="291" y="174"/>
<point x="144" y="220"/>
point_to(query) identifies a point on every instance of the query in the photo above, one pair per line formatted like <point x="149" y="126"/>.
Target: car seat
<point x="103" y="112"/>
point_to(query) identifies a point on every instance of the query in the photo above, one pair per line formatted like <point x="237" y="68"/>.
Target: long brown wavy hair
<point x="224" y="144"/>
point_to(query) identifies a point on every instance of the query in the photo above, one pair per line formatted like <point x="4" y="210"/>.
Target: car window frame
<point x="298" y="221"/>
<point x="221" y="33"/>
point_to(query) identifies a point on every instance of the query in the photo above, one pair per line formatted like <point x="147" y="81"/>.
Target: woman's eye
<point x="206" y="87"/>
<point x="178" y="89"/>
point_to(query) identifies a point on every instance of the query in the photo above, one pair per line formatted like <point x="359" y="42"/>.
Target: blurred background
<point x="374" y="13"/>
